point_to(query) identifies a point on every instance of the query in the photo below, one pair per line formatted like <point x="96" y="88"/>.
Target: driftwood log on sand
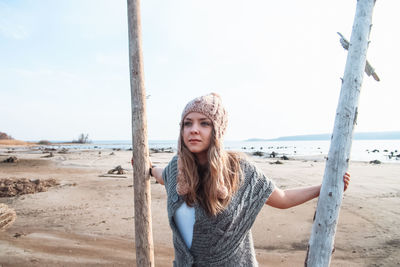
<point x="7" y="216"/>
<point x="115" y="173"/>
<point x="12" y="159"/>
<point x="118" y="170"/>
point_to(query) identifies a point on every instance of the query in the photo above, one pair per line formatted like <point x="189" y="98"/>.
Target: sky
<point x="64" y="66"/>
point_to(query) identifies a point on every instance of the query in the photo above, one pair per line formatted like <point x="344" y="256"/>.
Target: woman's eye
<point x="205" y="123"/>
<point x="187" y="123"/>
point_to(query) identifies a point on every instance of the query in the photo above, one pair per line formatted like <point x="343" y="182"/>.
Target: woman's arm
<point x="157" y="174"/>
<point x="284" y="199"/>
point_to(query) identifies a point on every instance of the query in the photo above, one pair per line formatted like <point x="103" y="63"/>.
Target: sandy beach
<point x="88" y="220"/>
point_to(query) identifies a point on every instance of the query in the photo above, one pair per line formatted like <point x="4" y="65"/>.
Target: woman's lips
<point x="194" y="141"/>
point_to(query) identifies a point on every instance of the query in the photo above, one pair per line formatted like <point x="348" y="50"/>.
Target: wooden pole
<point x="327" y="214"/>
<point x="141" y="177"/>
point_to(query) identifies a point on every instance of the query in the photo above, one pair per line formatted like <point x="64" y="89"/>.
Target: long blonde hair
<point x="204" y="182"/>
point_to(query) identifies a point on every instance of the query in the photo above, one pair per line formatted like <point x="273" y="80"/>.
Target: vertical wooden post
<point x="141" y="178"/>
<point x="327" y="214"/>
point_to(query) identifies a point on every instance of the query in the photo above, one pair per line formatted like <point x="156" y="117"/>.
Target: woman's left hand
<point x="346" y="180"/>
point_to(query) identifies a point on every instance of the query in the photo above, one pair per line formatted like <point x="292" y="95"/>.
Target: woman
<point x="213" y="195"/>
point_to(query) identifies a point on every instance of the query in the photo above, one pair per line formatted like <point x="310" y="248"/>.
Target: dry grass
<point x="14" y="143"/>
<point x="21" y="186"/>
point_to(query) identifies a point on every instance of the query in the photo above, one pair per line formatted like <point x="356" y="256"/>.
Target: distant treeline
<point x="4" y="136"/>
<point x="317" y="137"/>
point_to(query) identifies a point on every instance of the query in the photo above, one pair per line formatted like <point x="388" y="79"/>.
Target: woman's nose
<point x="194" y="129"/>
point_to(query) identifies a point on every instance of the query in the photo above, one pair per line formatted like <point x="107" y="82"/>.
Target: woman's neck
<point x="202" y="158"/>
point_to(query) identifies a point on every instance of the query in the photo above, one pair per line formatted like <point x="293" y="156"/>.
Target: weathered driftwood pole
<point x="141" y="178"/>
<point x="327" y="214"/>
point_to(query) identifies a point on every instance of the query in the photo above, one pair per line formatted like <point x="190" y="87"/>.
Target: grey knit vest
<point x="225" y="239"/>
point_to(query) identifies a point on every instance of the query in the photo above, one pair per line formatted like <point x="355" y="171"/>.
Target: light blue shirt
<point x="184" y="219"/>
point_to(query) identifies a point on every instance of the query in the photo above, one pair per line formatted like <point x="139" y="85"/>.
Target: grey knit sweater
<point x="223" y="240"/>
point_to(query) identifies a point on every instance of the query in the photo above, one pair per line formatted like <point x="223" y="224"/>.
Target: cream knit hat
<point x="211" y="106"/>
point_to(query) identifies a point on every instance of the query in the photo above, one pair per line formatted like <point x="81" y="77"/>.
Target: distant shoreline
<point x="395" y="135"/>
<point x="14" y="142"/>
<point x="389" y="135"/>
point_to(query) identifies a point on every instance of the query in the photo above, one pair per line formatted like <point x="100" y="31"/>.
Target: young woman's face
<point x="197" y="132"/>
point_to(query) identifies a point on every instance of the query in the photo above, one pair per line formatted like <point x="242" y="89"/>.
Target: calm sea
<point x="362" y="150"/>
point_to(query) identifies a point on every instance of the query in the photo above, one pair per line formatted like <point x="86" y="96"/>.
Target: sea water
<point x="362" y="150"/>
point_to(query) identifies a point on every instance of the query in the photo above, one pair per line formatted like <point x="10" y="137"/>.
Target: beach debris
<point x="112" y="154"/>
<point x="117" y="170"/>
<point x="392" y="155"/>
<point x="49" y="155"/>
<point x="162" y="150"/>
<point x="63" y="151"/>
<point x="258" y="153"/>
<point x="17" y="235"/>
<point x="116" y="149"/>
<point x="272" y="154"/>
<point x="375" y="150"/>
<point x="63" y="184"/>
<point x="12" y="159"/>
<point x="375" y="162"/>
<point x="10" y="187"/>
<point x="284" y="157"/>
<point x="276" y="162"/>
<point x="96" y="223"/>
<point x="113" y="175"/>
<point x="7" y="216"/>
<point x="46" y="150"/>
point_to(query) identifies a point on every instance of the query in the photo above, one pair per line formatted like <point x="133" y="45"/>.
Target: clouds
<point x="276" y="65"/>
<point x="13" y="24"/>
<point x="10" y="30"/>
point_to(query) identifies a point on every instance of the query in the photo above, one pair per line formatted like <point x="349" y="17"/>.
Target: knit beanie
<point x="211" y="106"/>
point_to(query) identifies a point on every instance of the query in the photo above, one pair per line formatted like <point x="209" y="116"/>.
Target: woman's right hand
<point x="346" y="180"/>
<point x="155" y="171"/>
